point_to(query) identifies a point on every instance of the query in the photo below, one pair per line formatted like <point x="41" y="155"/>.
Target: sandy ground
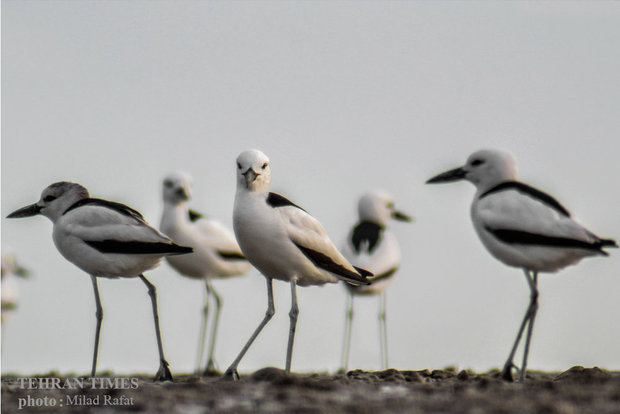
<point x="270" y="390"/>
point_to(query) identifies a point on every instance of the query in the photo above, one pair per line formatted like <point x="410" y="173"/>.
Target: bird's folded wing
<point x="101" y="223"/>
<point x="309" y="236"/>
<point x="517" y="212"/>
<point x="217" y="236"/>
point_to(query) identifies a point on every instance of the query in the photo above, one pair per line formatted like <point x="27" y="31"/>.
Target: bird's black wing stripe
<point x="118" y="207"/>
<point x="366" y="231"/>
<point x="326" y="263"/>
<point x="530" y="191"/>
<point x="276" y="200"/>
<point x="136" y="247"/>
<point x="527" y="238"/>
<point x="194" y="215"/>
<point x="231" y="255"/>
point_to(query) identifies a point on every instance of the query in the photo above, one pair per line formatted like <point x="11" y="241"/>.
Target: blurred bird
<point x="371" y="245"/>
<point x="216" y="252"/>
<point x="283" y="242"/>
<point x="104" y="239"/>
<point x="9" y="291"/>
<point x="522" y="227"/>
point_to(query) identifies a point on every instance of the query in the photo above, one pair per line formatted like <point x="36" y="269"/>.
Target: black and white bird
<point x="522" y="227"/>
<point x="283" y="242"/>
<point x="216" y="252"/>
<point x="104" y="239"/>
<point x="372" y="246"/>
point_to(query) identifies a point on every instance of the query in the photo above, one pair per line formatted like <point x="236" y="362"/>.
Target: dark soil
<point x="270" y="390"/>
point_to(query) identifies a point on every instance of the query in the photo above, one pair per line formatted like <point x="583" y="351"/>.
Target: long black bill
<point x="448" y="176"/>
<point x="28" y="211"/>
<point x="400" y="216"/>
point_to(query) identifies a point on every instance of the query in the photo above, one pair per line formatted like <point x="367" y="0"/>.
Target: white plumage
<point x="105" y="239"/>
<point x="9" y="291"/>
<point x="216" y="252"/>
<point x="283" y="241"/>
<point x="372" y="246"/>
<point x="522" y="227"/>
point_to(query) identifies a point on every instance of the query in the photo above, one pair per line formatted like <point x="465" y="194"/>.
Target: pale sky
<point x="343" y="97"/>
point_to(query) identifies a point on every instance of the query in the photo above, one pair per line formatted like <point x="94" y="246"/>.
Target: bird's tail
<point x="605" y="243"/>
<point x="175" y="249"/>
<point x="365" y="274"/>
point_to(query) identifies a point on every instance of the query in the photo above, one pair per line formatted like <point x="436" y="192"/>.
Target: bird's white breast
<point x="264" y="240"/>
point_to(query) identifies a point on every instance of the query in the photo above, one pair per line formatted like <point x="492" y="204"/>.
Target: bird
<point x="11" y="269"/>
<point x="283" y="242"/>
<point x="216" y="252"/>
<point x="104" y="239"/>
<point x="522" y="227"/>
<point x="372" y="246"/>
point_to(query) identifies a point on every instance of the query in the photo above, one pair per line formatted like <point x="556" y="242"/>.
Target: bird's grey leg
<point x="203" y="328"/>
<point x="507" y="370"/>
<point x="347" y="333"/>
<point x="99" y="315"/>
<point x="218" y="304"/>
<point x="533" y="309"/>
<point x="384" y="353"/>
<point x="293" y="314"/>
<point x="163" y="374"/>
<point x="231" y="373"/>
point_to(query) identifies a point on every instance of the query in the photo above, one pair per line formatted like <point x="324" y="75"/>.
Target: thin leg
<point x="231" y="373"/>
<point x="507" y="370"/>
<point x="218" y="304"/>
<point x="347" y="334"/>
<point x="293" y="314"/>
<point x="99" y="315"/>
<point x="163" y="374"/>
<point x="384" y="353"/>
<point x="203" y="329"/>
<point x="533" y="310"/>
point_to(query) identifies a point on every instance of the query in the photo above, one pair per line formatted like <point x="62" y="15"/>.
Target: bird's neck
<point x="174" y="214"/>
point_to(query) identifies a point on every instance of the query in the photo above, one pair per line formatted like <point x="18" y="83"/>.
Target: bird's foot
<point x="507" y="371"/>
<point x="163" y="374"/>
<point x="211" y="370"/>
<point x="231" y="374"/>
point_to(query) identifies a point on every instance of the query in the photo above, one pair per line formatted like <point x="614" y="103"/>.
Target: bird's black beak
<point x="448" y="176"/>
<point x="250" y="175"/>
<point x="28" y="211"/>
<point x="400" y="216"/>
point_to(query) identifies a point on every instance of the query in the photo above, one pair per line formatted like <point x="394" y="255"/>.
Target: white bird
<point x="372" y="246"/>
<point x="104" y="239"/>
<point x="522" y="227"/>
<point x="10" y="290"/>
<point x="216" y="252"/>
<point x="283" y="242"/>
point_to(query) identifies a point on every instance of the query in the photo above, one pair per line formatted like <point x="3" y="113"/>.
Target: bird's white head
<point x="55" y="200"/>
<point x="378" y="206"/>
<point x="177" y="188"/>
<point x="484" y="168"/>
<point x="253" y="171"/>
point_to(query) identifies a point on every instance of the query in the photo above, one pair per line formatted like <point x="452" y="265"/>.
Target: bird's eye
<point x="49" y="198"/>
<point x="265" y="165"/>
<point x="239" y="165"/>
<point x="477" y="162"/>
<point x="168" y="183"/>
